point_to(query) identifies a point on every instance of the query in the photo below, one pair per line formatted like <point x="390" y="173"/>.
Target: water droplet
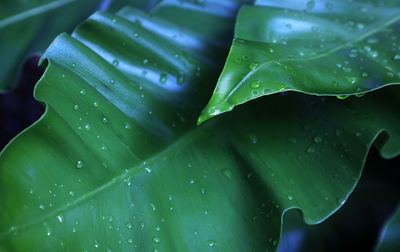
<point x="310" y="4"/>
<point x="329" y="6"/>
<point x="49" y="230"/>
<point x="129" y="225"/>
<point x="148" y="169"/>
<point x="95" y="104"/>
<point x="87" y="126"/>
<point x="104" y="120"/>
<point x="112" y="81"/>
<point x="130" y="240"/>
<point x="82" y="92"/>
<point x="360" y="95"/>
<point x="73" y="65"/>
<point x="127" y="125"/>
<point x="115" y="62"/>
<point x="203" y="191"/>
<point x="253" y="138"/>
<point x="341" y="97"/>
<point x="60" y="219"/>
<point x="227" y="173"/>
<point x="317" y="139"/>
<point x="79" y="164"/>
<point x="253" y="66"/>
<point x="310" y="150"/>
<point x="211" y="243"/>
<point x="396" y="57"/>
<point x="255" y="84"/>
<point x="76" y="107"/>
<point x="163" y="78"/>
<point x="156" y="239"/>
<point x="181" y="78"/>
<point x="290" y="197"/>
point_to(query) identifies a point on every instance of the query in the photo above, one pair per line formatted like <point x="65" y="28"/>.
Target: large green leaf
<point x="117" y="162"/>
<point x="115" y="5"/>
<point x="356" y="225"/>
<point x="390" y="236"/>
<point x="28" y="27"/>
<point x="335" y="48"/>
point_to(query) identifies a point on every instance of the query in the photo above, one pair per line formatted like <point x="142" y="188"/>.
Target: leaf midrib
<point x="32" y="12"/>
<point x="313" y="57"/>
<point x="184" y="140"/>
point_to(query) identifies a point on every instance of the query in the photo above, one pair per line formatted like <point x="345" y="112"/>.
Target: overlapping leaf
<point x="117" y="162"/>
<point x="28" y="27"/>
<point x="330" y="48"/>
<point x="390" y="236"/>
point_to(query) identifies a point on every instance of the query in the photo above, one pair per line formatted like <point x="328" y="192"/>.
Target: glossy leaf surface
<point x="390" y="236"/>
<point x="331" y="48"/>
<point x="28" y="27"/>
<point x="117" y="162"/>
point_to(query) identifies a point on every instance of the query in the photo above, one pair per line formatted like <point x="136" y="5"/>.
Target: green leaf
<point x="115" y="5"/>
<point x="390" y="236"/>
<point x="28" y="27"/>
<point x="314" y="47"/>
<point x="356" y="225"/>
<point x="117" y="162"/>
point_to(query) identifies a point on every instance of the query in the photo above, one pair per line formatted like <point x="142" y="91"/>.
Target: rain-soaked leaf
<point x="28" y="27"/>
<point x="117" y="163"/>
<point x="331" y="48"/>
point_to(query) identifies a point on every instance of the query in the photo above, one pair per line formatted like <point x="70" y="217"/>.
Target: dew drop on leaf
<point x="310" y="150"/>
<point x="79" y="164"/>
<point x="317" y="139"/>
<point x="163" y="78"/>
<point x="156" y="239"/>
<point x="341" y="97"/>
<point x="211" y="243"/>
<point x="253" y="66"/>
<point x="255" y="84"/>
